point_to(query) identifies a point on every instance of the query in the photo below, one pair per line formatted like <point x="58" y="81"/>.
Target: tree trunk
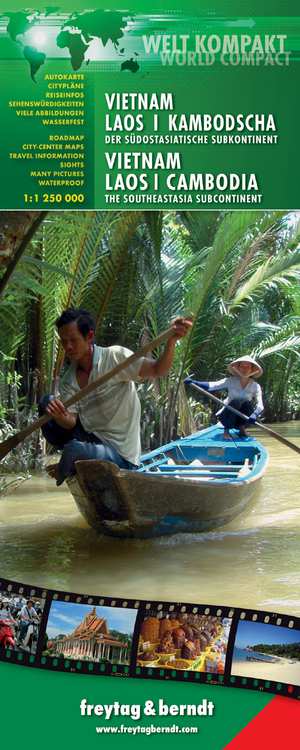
<point x="13" y="246"/>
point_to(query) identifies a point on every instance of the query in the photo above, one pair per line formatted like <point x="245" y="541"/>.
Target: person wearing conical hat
<point x="243" y="393"/>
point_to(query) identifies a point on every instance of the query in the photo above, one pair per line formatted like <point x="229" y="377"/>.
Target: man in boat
<point x="104" y="425"/>
<point x="243" y="393"/>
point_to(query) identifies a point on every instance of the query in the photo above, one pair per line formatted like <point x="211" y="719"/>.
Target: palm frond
<point x="280" y="270"/>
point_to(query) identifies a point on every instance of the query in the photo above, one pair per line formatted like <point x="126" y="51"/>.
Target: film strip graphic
<point x="96" y="635"/>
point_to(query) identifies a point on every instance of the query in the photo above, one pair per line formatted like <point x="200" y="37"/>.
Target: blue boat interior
<point x="206" y="456"/>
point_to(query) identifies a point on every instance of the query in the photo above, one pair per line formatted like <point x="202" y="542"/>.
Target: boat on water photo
<point x="192" y="484"/>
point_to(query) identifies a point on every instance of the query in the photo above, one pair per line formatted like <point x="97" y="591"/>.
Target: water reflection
<point x="253" y="562"/>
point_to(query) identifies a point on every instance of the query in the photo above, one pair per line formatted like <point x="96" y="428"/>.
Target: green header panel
<point x="149" y="108"/>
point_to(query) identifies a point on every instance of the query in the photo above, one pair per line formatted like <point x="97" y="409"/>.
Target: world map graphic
<point x="75" y="34"/>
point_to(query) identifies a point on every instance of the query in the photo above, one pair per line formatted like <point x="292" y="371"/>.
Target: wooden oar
<point x="274" y="434"/>
<point x="7" y="445"/>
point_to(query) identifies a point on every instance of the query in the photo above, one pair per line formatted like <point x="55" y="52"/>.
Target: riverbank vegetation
<point x="287" y="650"/>
<point x="237" y="273"/>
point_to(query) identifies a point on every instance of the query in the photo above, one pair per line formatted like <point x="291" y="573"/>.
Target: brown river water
<point x="252" y="562"/>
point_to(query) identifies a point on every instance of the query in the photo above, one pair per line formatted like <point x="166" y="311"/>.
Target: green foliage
<point x="238" y="273"/>
<point x="287" y="650"/>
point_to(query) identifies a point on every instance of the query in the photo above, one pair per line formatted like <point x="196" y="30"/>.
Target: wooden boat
<point x="193" y="484"/>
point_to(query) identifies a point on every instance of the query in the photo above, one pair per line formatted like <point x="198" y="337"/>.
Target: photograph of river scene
<point x="267" y="652"/>
<point x="237" y="274"/>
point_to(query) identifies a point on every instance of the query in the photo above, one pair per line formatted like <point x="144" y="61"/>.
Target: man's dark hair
<point x="84" y="320"/>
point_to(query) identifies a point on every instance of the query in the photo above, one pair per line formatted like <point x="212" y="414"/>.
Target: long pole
<point x="274" y="434"/>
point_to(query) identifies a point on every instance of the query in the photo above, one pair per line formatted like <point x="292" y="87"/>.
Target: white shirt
<point x="250" y="392"/>
<point x="112" y="412"/>
<point x="28" y="614"/>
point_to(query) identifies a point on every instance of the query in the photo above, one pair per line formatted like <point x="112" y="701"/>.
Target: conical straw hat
<point x="256" y="374"/>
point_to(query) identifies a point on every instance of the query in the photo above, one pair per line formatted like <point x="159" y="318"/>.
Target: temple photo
<point x="89" y="633"/>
